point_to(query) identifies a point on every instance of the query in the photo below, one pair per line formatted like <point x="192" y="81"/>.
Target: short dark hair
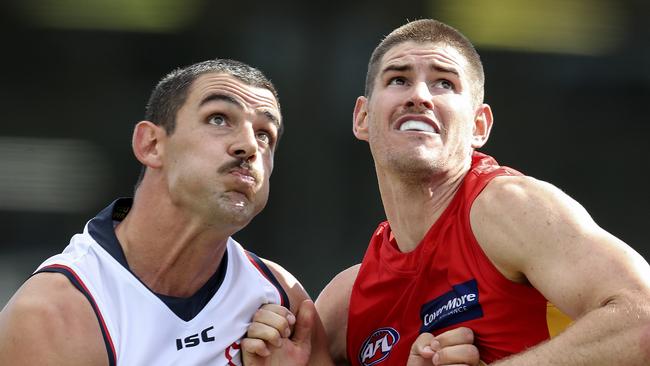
<point x="429" y="30"/>
<point x="171" y="91"/>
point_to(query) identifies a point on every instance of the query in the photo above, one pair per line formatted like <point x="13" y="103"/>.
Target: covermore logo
<point x="378" y="346"/>
<point x="456" y="306"/>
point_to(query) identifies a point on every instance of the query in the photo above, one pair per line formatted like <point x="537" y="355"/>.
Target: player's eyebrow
<point x="220" y="97"/>
<point x="271" y="117"/>
<point x="229" y="99"/>
<point x="433" y="67"/>
<point x="399" y="68"/>
<point x="450" y="70"/>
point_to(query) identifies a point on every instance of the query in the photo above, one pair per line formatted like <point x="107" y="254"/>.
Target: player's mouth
<point x="246" y="179"/>
<point x="417" y="123"/>
<point x="244" y="183"/>
<point x="244" y="175"/>
<point x="242" y="171"/>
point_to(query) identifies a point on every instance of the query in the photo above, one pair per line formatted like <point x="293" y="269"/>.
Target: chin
<point x="236" y="213"/>
<point x="236" y="221"/>
<point x="414" y="162"/>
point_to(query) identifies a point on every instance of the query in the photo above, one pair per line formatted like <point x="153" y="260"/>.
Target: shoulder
<point x="514" y="216"/>
<point x="49" y="311"/>
<point x="333" y="305"/>
<point x="520" y="188"/>
<point x="528" y="202"/>
<point x="535" y="233"/>
<point x="295" y="291"/>
<point x="338" y="291"/>
<point x="334" y="301"/>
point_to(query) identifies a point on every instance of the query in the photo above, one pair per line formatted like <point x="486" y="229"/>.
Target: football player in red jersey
<point x="468" y="242"/>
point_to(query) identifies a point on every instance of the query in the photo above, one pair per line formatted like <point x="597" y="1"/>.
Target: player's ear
<point x="148" y="143"/>
<point x="360" y="119"/>
<point x="482" y="125"/>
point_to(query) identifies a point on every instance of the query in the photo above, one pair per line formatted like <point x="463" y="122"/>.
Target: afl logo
<point x="377" y="347"/>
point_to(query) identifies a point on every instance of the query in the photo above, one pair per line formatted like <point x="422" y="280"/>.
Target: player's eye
<point x="444" y="84"/>
<point x="264" y="137"/>
<point x="398" y="80"/>
<point x="217" y="120"/>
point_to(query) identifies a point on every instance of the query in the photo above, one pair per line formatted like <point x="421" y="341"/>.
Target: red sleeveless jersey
<point x="446" y="282"/>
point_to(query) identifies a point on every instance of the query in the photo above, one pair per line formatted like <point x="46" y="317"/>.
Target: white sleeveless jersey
<point x="138" y="327"/>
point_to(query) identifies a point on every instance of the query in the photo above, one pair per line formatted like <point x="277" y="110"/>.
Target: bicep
<point x="333" y="304"/>
<point x="48" y="322"/>
<point x="529" y="227"/>
<point x="582" y="269"/>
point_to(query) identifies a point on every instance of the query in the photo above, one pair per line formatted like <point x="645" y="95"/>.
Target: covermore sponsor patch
<point x="456" y="306"/>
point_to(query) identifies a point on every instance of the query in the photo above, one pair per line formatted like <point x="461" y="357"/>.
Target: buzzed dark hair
<point x="172" y="90"/>
<point x="424" y="31"/>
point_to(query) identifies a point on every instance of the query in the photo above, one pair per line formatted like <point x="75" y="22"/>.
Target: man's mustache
<point x="240" y="164"/>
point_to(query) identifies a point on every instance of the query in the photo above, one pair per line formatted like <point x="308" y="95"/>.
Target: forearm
<point x="615" y="334"/>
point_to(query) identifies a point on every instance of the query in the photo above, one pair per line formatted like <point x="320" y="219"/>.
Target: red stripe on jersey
<point x="263" y="272"/>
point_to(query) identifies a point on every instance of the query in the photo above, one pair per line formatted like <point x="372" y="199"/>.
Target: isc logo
<point x="195" y="339"/>
<point x="378" y="346"/>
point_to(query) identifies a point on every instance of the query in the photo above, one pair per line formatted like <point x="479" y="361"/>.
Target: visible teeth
<point x="416" y="126"/>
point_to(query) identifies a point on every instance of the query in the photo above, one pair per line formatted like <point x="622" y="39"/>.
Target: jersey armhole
<point x="266" y="272"/>
<point x="76" y="282"/>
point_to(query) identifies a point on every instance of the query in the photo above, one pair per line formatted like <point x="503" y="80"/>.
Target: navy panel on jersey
<point x="269" y="275"/>
<point x="456" y="306"/>
<point x="102" y="229"/>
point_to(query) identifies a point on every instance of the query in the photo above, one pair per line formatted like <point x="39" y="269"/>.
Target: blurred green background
<point x="568" y="81"/>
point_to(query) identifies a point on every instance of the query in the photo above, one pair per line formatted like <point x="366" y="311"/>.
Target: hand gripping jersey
<point x="143" y="328"/>
<point x="446" y="282"/>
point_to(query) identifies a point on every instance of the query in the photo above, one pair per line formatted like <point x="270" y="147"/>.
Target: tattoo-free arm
<point x="535" y="233"/>
<point x="49" y="322"/>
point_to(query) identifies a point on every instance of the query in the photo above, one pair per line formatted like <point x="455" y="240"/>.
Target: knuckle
<point x="473" y="353"/>
<point x="253" y="329"/>
<point x="250" y="344"/>
<point x="273" y="336"/>
<point x="284" y="323"/>
<point x="443" y="357"/>
<point x="259" y="313"/>
<point x="467" y="334"/>
<point x="278" y="309"/>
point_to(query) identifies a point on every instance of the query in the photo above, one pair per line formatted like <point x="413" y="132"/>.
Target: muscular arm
<point x="49" y="322"/>
<point x="333" y="304"/>
<point x="534" y="233"/>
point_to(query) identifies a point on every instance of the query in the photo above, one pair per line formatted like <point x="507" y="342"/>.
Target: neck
<point x="170" y="251"/>
<point x="413" y="206"/>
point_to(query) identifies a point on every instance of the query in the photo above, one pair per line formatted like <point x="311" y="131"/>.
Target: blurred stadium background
<point x="568" y="81"/>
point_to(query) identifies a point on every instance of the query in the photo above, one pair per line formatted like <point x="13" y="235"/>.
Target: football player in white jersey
<point x="207" y="146"/>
